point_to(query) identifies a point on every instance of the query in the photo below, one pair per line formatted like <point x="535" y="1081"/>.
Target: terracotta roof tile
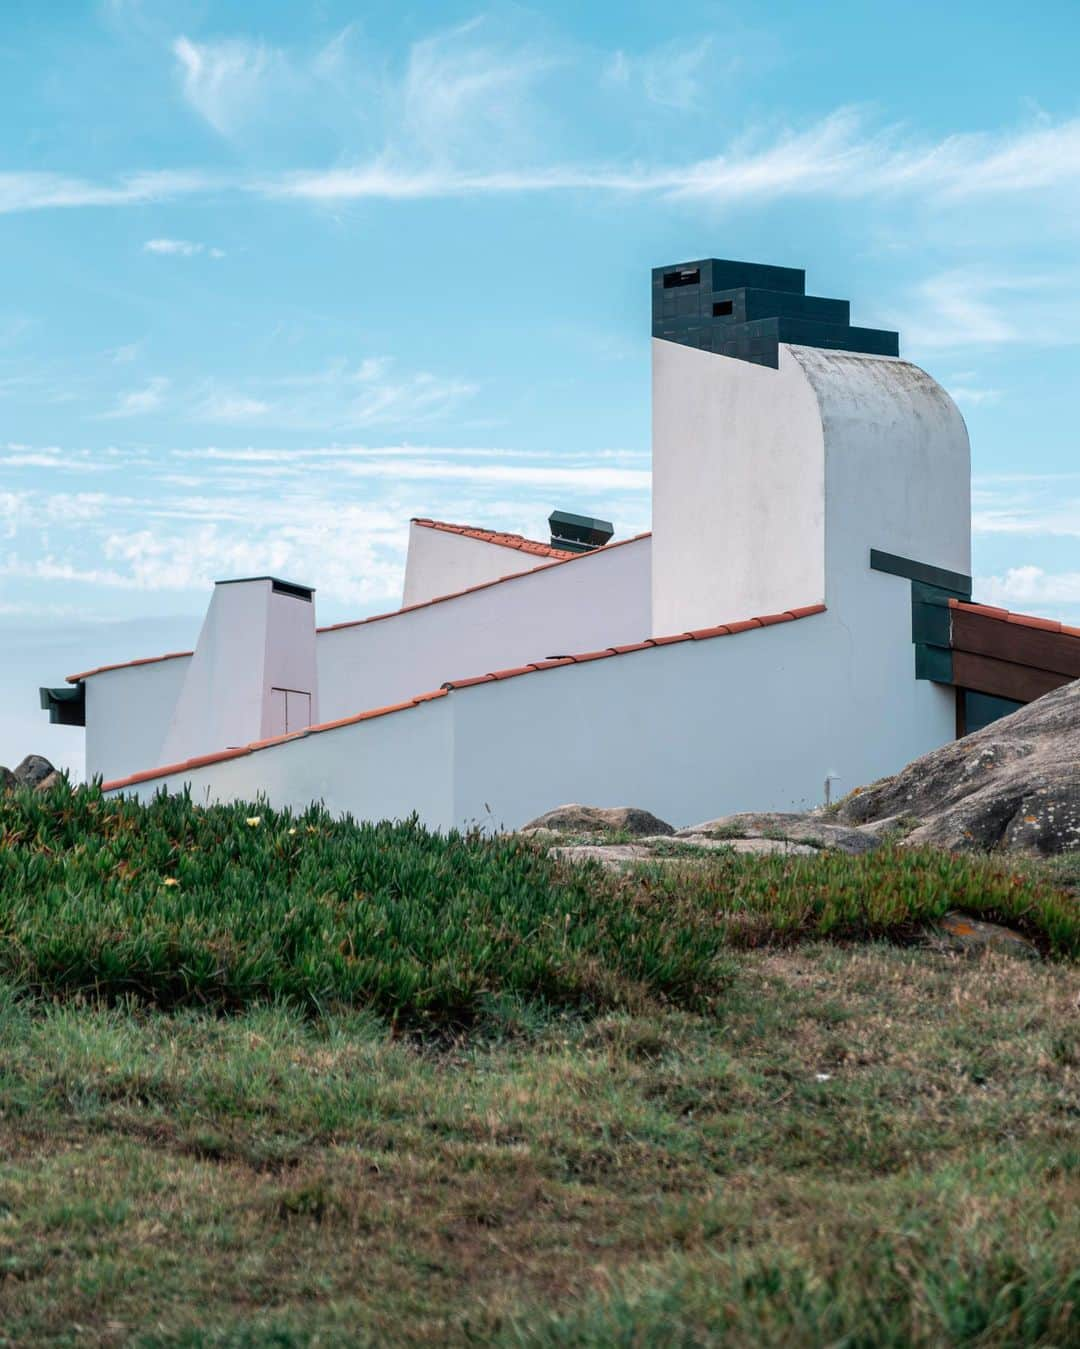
<point x="701" y="634"/>
<point x="126" y="664"/>
<point x="498" y="538"/>
<point x="1007" y="616"/>
<point x="486" y="585"/>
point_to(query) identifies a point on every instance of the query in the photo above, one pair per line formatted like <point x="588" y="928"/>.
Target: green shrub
<point x="225" y="906"/>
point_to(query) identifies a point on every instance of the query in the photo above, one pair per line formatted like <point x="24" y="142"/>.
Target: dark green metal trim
<point x="66" y="706"/>
<point x="931" y="618"/>
<point x="934" y="662"/>
<point x="955" y="582"/>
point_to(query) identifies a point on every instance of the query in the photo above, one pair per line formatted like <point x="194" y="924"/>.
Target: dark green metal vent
<point x="578" y="533"/>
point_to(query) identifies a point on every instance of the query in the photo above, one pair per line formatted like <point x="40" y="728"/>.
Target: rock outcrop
<point x="814" y="829"/>
<point x="575" y="819"/>
<point x="1013" y="785"/>
<point x="34" y="771"/>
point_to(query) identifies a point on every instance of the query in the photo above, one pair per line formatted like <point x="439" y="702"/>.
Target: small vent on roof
<point x="578" y="533"/>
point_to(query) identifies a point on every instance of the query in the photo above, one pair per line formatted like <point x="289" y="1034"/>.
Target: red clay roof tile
<point x="498" y="538"/>
<point x="126" y="664"/>
<point x="700" y="634"/>
<point x="1007" y="616"/>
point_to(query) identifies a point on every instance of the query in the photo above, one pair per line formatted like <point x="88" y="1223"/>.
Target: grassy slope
<point x="802" y="1144"/>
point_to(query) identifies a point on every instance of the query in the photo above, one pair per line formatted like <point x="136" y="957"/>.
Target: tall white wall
<point x="128" y="714"/>
<point x="441" y="563"/>
<point x="770" y="487"/>
<point x="599" y="599"/>
<point x="738" y="489"/>
<point x="255" y="643"/>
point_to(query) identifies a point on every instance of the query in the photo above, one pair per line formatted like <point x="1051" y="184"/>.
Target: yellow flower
<point x="170" y="880"/>
<point x="292" y="831"/>
<point x="253" y="821"/>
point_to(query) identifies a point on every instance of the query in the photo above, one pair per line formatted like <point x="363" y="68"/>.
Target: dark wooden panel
<point x="1003" y="678"/>
<point x="1015" y="642"/>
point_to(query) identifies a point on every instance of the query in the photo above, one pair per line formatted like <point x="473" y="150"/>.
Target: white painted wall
<point x="253" y="640"/>
<point x="898" y="478"/>
<point x="128" y="714"/>
<point x="755" y="721"/>
<point x="441" y="563"/>
<point x="738" y="489"/>
<point x="385" y="768"/>
<point x="599" y="599"/>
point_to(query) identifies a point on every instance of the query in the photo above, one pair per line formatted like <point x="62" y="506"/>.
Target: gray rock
<point x="32" y="770"/>
<point x="575" y="819"/>
<point x="971" y="936"/>
<point x="812" y="829"/>
<point x="48" y="782"/>
<point x="1013" y="785"/>
<point x="8" y="780"/>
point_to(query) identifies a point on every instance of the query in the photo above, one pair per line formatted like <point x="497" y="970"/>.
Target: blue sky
<point x="278" y="276"/>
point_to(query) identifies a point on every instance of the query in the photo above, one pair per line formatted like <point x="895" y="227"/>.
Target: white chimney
<point x="253" y="674"/>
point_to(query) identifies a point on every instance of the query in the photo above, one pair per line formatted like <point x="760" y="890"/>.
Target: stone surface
<point x="48" y="782"/>
<point x="32" y="770"/>
<point x="811" y="828"/>
<point x="577" y="819"/>
<point x="972" y="936"/>
<point x="7" y="779"/>
<point x="651" y="849"/>
<point x="1013" y="785"/>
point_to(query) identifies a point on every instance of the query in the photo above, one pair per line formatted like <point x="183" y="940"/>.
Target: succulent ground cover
<point x="741" y="1109"/>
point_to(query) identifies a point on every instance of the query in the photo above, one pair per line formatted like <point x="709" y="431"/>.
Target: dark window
<point x="722" y="307"/>
<point x="686" y="278"/>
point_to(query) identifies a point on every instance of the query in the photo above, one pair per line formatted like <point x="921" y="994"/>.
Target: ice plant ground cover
<point x="362" y="1084"/>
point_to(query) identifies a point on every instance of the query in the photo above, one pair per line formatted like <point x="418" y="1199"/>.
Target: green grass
<point x="688" y="1105"/>
<point x="228" y="906"/>
<point x="866" y="1146"/>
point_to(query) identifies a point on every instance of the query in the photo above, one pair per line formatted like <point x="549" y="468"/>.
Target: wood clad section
<point x="986" y="635"/>
<point x="1005" y="679"/>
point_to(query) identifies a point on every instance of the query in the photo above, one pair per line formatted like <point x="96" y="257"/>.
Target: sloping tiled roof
<point x="393" y="613"/>
<point x="485" y="585"/>
<point x="125" y="665"/>
<point x="517" y="541"/>
<point x="1007" y="616"/>
<point x="534" y="667"/>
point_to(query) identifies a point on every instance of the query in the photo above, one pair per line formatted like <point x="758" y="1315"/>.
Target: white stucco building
<point x="799" y="613"/>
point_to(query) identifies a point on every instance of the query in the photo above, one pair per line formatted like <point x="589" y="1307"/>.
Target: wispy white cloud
<point x="669" y="75"/>
<point x="1030" y="586"/>
<point x="36" y="191"/>
<point x="138" y="402"/>
<point x="184" y="248"/>
<point x="836" y="158"/>
<point x="225" y="81"/>
<point x="342" y="397"/>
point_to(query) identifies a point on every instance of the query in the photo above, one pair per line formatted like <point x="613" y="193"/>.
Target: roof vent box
<point x="578" y="533"/>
